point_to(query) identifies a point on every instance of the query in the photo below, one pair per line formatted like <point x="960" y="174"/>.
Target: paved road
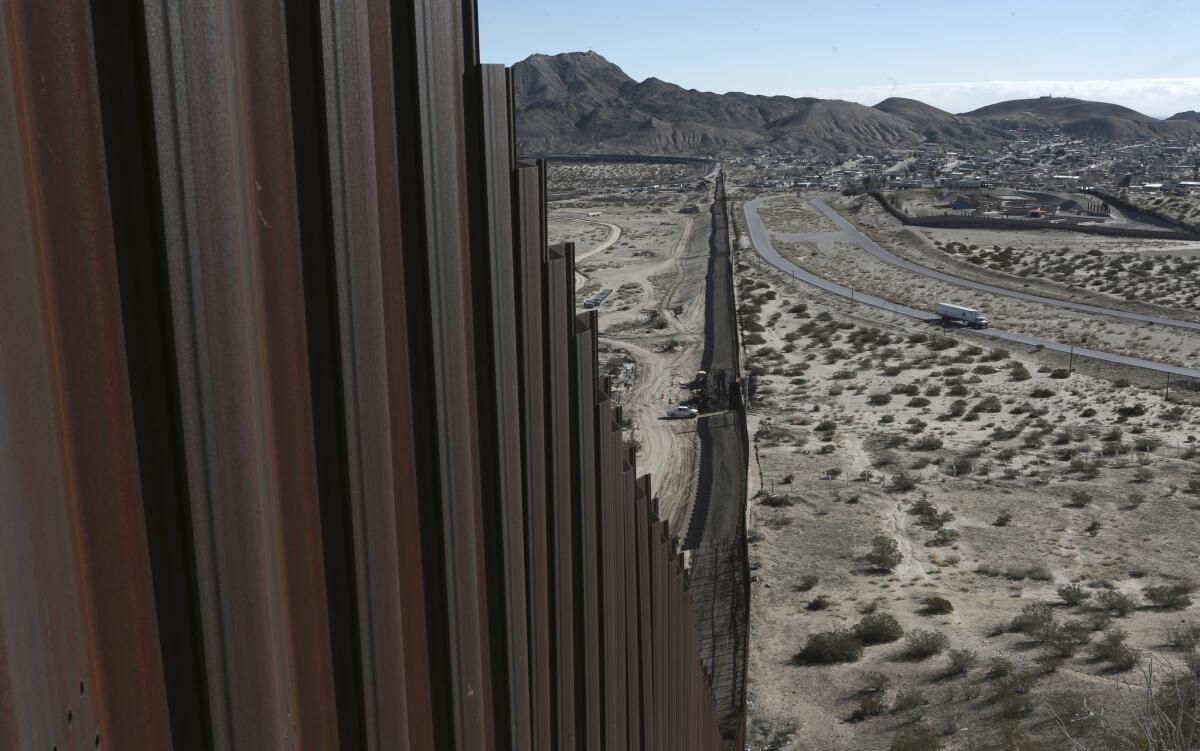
<point x="874" y="249"/>
<point x="761" y="239"/>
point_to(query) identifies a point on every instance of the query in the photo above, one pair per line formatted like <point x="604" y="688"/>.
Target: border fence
<point x="301" y="439"/>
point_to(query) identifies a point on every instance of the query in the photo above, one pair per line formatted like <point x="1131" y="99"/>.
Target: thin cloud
<point x="1154" y="96"/>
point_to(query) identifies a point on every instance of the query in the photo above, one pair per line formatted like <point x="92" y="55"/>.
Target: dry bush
<point x="921" y="645"/>
<point x="827" y="647"/>
<point x="878" y="628"/>
<point x="885" y="554"/>
<point x="1073" y="594"/>
<point x="1175" y="596"/>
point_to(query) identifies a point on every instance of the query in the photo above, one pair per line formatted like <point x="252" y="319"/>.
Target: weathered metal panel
<point x="528" y="270"/>
<point x="78" y="625"/>
<point x="585" y="473"/>
<point x="234" y="250"/>
<point x="558" y="288"/>
<point x="499" y="412"/>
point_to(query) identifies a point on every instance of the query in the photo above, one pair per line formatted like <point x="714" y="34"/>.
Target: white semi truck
<point x="958" y="314"/>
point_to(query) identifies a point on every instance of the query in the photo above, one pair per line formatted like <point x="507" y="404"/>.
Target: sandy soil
<point x="652" y="322"/>
<point x="858" y="423"/>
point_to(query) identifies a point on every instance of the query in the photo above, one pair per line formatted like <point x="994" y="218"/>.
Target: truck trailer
<point x="958" y="314"/>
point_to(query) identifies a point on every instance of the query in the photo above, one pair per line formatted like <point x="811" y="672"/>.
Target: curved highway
<point x="761" y="239"/>
<point x="874" y="249"/>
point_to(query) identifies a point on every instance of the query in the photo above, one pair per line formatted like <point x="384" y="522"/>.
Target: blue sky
<point x="956" y="55"/>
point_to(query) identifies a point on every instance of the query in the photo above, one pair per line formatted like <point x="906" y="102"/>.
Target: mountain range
<point x="579" y="102"/>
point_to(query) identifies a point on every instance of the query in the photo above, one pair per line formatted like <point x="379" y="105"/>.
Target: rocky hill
<point x="579" y="102"/>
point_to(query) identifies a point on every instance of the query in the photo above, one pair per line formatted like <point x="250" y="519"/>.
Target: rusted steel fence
<point x="301" y="440"/>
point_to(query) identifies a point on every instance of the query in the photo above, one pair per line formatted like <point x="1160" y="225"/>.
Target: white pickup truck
<point x="957" y="314"/>
<point x="678" y="411"/>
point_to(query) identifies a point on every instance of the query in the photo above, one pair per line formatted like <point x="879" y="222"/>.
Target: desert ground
<point x="1036" y="532"/>
<point x="650" y="248"/>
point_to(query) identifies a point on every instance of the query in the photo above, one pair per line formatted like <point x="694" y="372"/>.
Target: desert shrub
<point x="918" y="401"/>
<point x="878" y="628"/>
<point x="1080" y="498"/>
<point x="902" y="482"/>
<point x="1000" y="667"/>
<point x="959" y="466"/>
<point x="990" y="404"/>
<point x="1185" y="635"/>
<point x="1041" y="393"/>
<point x="926" y="443"/>
<point x="1035" y="619"/>
<point x="827" y="647"/>
<point x="1112" y="648"/>
<point x="1003" y="519"/>
<point x="869" y="706"/>
<point x="1014" y="693"/>
<point x="885" y="554"/>
<point x="776" y="501"/>
<point x="807" y="582"/>
<point x="1037" y="571"/>
<point x="1143" y="474"/>
<point x="1073" y="594"/>
<point x="878" y="400"/>
<point x="937" y="606"/>
<point x="961" y="661"/>
<point x="1116" y="602"/>
<point x="1066" y="639"/>
<point x="942" y="538"/>
<point x="875" y="682"/>
<point x="921" y="645"/>
<point x="1175" y="596"/>
<point x="820" y="602"/>
<point x="753" y="339"/>
<point x="826" y="426"/>
<point x="909" y="698"/>
<point x="1131" y="410"/>
<point x="1059" y="373"/>
<point x="1019" y="373"/>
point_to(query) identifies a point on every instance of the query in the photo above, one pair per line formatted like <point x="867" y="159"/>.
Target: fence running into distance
<point x="301" y="440"/>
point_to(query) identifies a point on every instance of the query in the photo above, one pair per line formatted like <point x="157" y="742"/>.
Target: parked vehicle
<point x="957" y="314"/>
<point x="678" y="411"/>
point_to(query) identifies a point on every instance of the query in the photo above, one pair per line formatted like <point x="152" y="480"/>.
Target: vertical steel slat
<point x="360" y="122"/>
<point x="633" y="701"/>
<point x="645" y="668"/>
<point x="438" y="42"/>
<point x="618" y="661"/>
<point x="233" y="247"/>
<point x="608" y="482"/>
<point x="559" y="293"/>
<point x="585" y="449"/>
<point x="528" y="270"/>
<point x="499" y="410"/>
<point x="78" y="628"/>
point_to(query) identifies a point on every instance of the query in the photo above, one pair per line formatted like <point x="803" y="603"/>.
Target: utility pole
<point x="1071" y="361"/>
<point x="1167" y="393"/>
